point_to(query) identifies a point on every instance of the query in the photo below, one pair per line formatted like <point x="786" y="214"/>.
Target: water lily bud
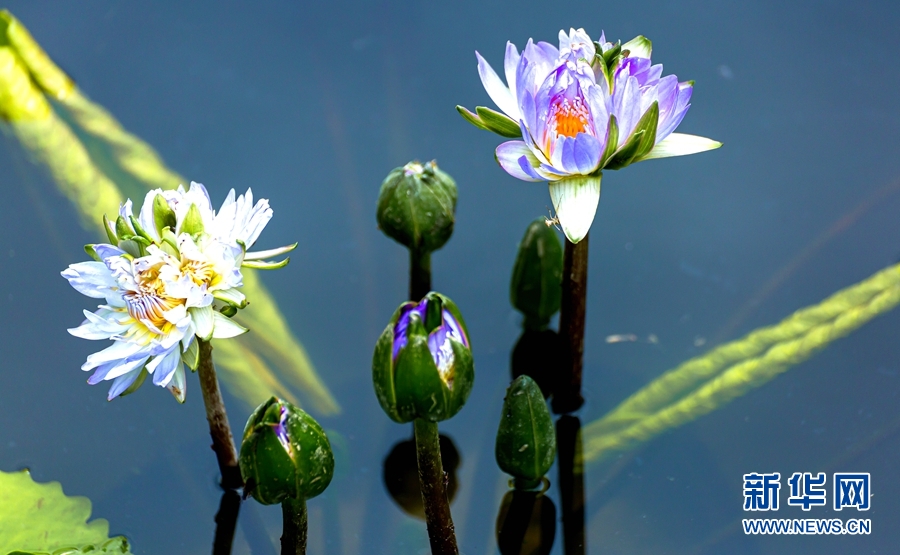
<point x="285" y="454"/>
<point x="422" y="366"/>
<point x="536" y="287"/>
<point x="526" y="440"/>
<point x="417" y="206"/>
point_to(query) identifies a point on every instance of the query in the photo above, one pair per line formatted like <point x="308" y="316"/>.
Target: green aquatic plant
<point x="29" y="80"/>
<point x="40" y="518"/>
<point x="707" y="382"/>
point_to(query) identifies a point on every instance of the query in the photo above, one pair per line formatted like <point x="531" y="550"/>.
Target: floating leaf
<point x="39" y="518"/>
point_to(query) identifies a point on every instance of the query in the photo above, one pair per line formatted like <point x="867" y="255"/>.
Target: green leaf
<point x="612" y="141"/>
<point x="117" y="545"/>
<point x="123" y="230"/>
<point x="138" y="229"/>
<point x="38" y="518"/>
<point x="193" y="221"/>
<point x="261" y="255"/>
<point x="191" y="357"/>
<point x="498" y="123"/>
<point x="262" y="265"/>
<point x="110" y="230"/>
<point x="640" y="142"/>
<point x="89" y="249"/>
<point x="163" y="215"/>
<point x="471" y="118"/>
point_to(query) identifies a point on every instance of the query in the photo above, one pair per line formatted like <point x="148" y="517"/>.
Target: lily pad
<point x="40" y="518"/>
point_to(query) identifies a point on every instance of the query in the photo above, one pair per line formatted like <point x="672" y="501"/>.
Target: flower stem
<point x="222" y="440"/>
<point x="434" y="489"/>
<point x="419" y="274"/>
<point x="293" y="531"/>
<point x="567" y="394"/>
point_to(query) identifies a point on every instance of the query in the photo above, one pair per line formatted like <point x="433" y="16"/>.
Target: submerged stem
<point x="293" y="531"/>
<point x="567" y="395"/>
<point x="222" y="440"/>
<point x="434" y="489"/>
<point x="419" y="274"/>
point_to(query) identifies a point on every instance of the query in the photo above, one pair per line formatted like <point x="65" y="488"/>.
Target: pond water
<point x="312" y="105"/>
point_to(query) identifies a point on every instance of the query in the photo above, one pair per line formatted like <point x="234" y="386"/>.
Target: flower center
<point x="567" y="117"/>
<point x="200" y="272"/>
<point x="149" y="302"/>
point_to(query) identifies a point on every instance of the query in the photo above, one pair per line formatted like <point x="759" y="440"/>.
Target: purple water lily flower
<point x="438" y="339"/>
<point x="581" y="108"/>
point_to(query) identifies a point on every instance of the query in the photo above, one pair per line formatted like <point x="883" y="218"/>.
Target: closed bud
<point x="417" y="206"/>
<point x="285" y="454"/>
<point x="526" y="439"/>
<point x="536" y="286"/>
<point x="422" y="366"/>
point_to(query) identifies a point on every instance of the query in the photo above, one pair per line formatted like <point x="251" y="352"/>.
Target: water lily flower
<point x="168" y="277"/>
<point x="579" y="109"/>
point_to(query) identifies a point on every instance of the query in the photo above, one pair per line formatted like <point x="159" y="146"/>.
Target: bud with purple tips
<point x="422" y="366"/>
<point x="285" y="454"/>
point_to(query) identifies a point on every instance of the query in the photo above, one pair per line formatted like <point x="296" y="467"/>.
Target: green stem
<point x="434" y="489"/>
<point x="293" y="532"/>
<point x="222" y="440"/>
<point x="567" y="394"/>
<point x="419" y="274"/>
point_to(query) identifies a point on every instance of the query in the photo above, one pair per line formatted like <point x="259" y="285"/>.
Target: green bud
<point x="193" y="221"/>
<point x="123" y="230"/>
<point x="285" y="454"/>
<point x="415" y="379"/>
<point x="163" y="215"/>
<point x="417" y="206"/>
<point x="536" y="287"/>
<point x="526" y="440"/>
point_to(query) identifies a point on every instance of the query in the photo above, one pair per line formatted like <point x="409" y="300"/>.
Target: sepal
<point x="498" y="123"/>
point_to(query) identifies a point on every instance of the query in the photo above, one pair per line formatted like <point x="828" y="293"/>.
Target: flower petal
<point x="92" y="279"/>
<point x="122" y="383"/>
<point x="226" y="328"/>
<point x="495" y="88"/>
<point x="575" y="200"/>
<point x="204" y="321"/>
<point x="680" y="144"/>
<point x="638" y="47"/>
<point x="517" y="159"/>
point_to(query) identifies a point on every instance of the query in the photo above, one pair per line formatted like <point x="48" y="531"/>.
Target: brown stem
<point x="419" y="274"/>
<point x="294" y="526"/>
<point x="571" y="483"/>
<point x="222" y="440"/>
<point x="567" y="395"/>
<point x="433" y="481"/>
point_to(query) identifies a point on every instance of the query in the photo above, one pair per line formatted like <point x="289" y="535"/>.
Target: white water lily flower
<point x="170" y="276"/>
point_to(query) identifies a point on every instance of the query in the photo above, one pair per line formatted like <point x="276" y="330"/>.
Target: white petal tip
<point x="575" y="200"/>
<point x="681" y="144"/>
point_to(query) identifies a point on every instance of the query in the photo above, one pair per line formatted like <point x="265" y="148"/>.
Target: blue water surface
<point x="311" y="104"/>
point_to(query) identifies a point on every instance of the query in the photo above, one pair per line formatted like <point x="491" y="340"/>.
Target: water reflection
<point x="401" y="474"/>
<point x="526" y="523"/>
<point x="226" y="522"/>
